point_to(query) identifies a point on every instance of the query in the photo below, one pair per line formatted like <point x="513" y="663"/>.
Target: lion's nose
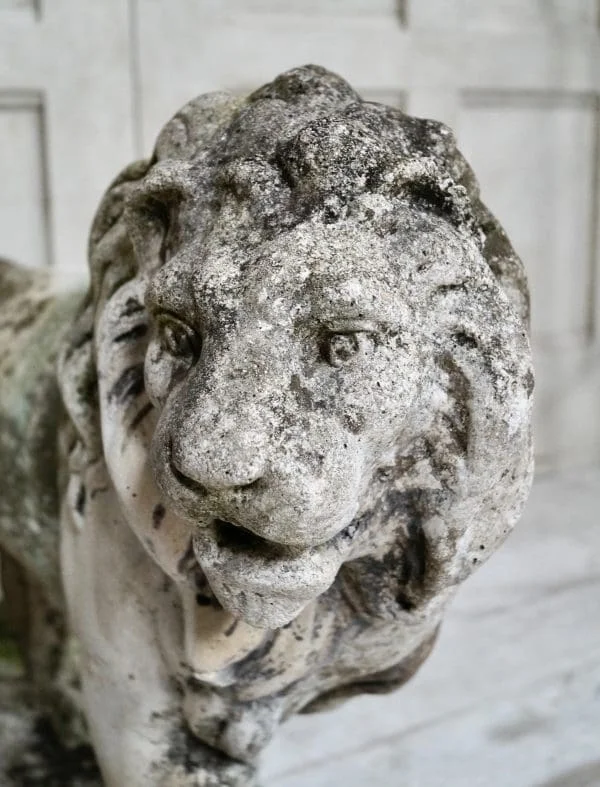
<point x="224" y="463"/>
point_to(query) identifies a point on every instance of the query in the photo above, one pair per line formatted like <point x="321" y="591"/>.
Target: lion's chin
<point x="265" y="585"/>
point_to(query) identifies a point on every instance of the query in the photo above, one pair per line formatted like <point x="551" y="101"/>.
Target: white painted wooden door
<point x="66" y="124"/>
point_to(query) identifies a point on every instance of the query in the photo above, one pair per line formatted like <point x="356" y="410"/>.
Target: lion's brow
<point x="379" y="308"/>
<point x="165" y="295"/>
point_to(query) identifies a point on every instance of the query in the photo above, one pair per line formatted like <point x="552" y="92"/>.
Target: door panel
<point x="24" y="227"/>
<point x="65" y="146"/>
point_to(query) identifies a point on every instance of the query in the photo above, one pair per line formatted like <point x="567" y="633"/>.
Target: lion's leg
<point x="116" y="594"/>
<point x="35" y="637"/>
<point x="41" y="730"/>
<point x="32" y="624"/>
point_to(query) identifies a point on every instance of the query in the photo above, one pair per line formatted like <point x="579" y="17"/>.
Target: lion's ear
<point x="486" y="361"/>
<point x="151" y="209"/>
<point x="110" y="254"/>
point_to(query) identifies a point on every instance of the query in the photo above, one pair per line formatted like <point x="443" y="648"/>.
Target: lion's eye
<point x="340" y="348"/>
<point x="177" y="338"/>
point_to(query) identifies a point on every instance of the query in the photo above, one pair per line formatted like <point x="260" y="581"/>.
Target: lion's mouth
<point x="239" y="539"/>
<point x="265" y="583"/>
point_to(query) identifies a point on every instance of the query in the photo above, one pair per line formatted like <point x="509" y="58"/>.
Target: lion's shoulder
<point x="32" y="325"/>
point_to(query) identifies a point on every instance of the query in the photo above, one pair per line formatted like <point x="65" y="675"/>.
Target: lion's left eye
<point x="177" y="338"/>
<point x="340" y="348"/>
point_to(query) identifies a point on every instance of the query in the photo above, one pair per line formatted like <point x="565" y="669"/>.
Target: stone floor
<point x="510" y="696"/>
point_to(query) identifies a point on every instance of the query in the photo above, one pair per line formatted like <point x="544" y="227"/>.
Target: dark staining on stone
<point x="97" y="491"/>
<point x="221" y="728"/>
<point x="443" y="289"/>
<point x="80" y="500"/>
<point x="464" y="339"/>
<point x="54" y="619"/>
<point x="529" y="382"/>
<point x="204" y="595"/>
<point x="201" y="581"/>
<point x="133" y="334"/>
<point x="411" y="506"/>
<point x="255" y="662"/>
<point x="146" y="410"/>
<point x="381" y="682"/>
<point x="415" y="551"/>
<point x="331" y="214"/>
<point x="191" y="683"/>
<point x="194" y="756"/>
<point x="457" y="421"/>
<point x="378" y="588"/>
<point x="303" y="395"/>
<point x="129" y="385"/>
<point x="132" y="306"/>
<point x="406" y="603"/>
<point x="7" y="366"/>
<point x="48" y="763"/>
<point x="84" y="338"/>
<point x="239" y="539"/>
<point x="231" y="628"/>
<point x="26" y="321"/>
<point x="187" y="560"/>
<point x="430" y="196"/>
<point x="158" y="514"/>
<point x="87" y="388"/>
<point x="353" y="422"/>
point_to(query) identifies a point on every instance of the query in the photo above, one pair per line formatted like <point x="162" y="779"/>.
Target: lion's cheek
<point x="165" y="536"/>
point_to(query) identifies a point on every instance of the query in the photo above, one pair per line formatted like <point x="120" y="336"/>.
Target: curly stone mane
<point x="323" y="154"/>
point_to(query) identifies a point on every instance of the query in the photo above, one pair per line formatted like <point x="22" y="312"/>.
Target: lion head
<point x="304" y="354"/>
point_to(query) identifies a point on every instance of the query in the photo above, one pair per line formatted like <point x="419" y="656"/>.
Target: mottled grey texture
<point x="302" y="380"/>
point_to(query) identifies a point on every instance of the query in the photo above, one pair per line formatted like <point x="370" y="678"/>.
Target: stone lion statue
<point x="288" y="419"/>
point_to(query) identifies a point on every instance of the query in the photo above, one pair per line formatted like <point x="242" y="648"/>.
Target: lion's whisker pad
<point x="293" y="414"/>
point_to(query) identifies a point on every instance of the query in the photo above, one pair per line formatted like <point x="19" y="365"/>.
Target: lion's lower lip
<point x="243" y="558"/>
<point x="264" y="583"/>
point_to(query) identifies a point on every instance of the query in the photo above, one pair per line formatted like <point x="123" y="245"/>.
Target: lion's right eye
<point x="339" y="349"/>
<point x="177" y="338"/>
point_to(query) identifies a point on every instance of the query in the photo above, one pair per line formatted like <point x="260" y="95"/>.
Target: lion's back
<point x="33" y="321"/>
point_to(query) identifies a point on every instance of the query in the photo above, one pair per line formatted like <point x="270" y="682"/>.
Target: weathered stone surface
<point x="32" y="753"/>
<point x="298" y="416"/>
